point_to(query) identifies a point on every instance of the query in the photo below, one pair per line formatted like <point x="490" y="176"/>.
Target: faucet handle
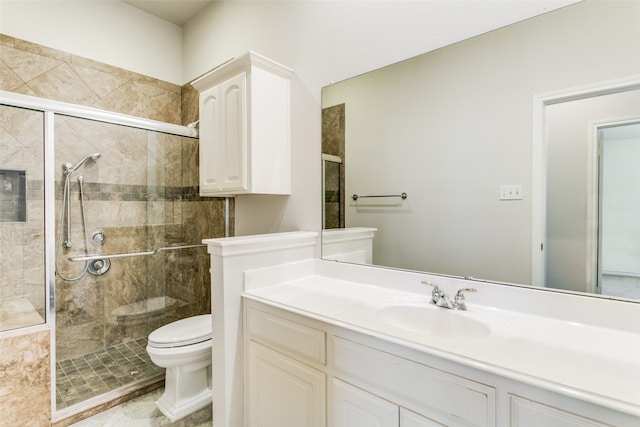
<point x="426" y="282"/>
<point x="460" y="293"/>
<point x="436" y="293"/>
<point x="459" y="301"/>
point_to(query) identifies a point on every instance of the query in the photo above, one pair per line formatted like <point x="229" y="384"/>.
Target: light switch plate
<point x="511" y="192"/>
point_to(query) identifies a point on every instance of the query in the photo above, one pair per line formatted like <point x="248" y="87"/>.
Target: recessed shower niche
<point x="13" y="200"/>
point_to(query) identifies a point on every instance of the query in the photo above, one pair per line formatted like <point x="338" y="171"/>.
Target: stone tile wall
<point x="142" y="193"/>
<point x="32" y="69"/>
<point x="25" y="380"/>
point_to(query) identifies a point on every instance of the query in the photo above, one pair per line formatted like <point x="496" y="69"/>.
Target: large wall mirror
<point x="518" y="151"/>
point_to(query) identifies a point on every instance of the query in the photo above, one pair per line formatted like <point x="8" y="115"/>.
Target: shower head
<point x="69" y="170"/>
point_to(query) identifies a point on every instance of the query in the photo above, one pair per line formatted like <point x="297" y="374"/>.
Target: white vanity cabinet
<point x="302" y="372"/>
<point x="289" y="372"/>
<point x="284" y="371"/>
<point x="245" y="128"/>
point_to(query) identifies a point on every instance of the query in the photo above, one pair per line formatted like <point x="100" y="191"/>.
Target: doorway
<point x="566" y="249"/>
<point x="619" y="210"/>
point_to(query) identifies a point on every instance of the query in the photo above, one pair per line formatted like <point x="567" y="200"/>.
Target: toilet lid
<point x="191" y="330"/>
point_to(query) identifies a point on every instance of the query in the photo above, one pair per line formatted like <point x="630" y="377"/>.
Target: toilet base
<point x="186" y="390"/>
<point x="176" y="412"/>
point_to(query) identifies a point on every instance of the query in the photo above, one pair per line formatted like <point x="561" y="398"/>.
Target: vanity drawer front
<point x="528" y="413"/>
<point x="289" y="337"/>
<point x="415" y="386"/>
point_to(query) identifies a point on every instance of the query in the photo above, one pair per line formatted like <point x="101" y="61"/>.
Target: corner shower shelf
<point x="143" y="311"/>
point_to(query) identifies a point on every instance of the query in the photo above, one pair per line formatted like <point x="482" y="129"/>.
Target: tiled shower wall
<point x="22" y="297"/>
<point x="36" y="70"/>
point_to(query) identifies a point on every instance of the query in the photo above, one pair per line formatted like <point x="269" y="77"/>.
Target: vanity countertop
<point x="596" y="364"/>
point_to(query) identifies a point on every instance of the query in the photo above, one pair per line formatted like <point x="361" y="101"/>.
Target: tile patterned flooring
<point x="92" y="374"/>
<point x="142" y="412"/>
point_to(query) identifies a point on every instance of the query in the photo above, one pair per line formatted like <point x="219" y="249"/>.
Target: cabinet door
<point x="354" y="407"/>
<point x="411" y="419"/>
<point x="282" y="392"/>
<point x="233" y="138"/>
<point x="210" y="161"/>
<point x="223" y="136"/>
<point x="527" y="413"/>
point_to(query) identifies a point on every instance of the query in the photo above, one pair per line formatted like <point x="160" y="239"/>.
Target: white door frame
<point x="539" y="160"/>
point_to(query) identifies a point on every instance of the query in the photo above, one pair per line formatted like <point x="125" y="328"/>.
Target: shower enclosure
<point x="108" y="216"/>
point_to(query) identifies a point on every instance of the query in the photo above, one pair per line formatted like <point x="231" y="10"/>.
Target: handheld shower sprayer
<point x="65" y="212"/>
<point x="68" y="169"/>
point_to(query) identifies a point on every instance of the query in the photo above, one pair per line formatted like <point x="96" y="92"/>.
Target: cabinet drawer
<point x="297" y="340"/>
<point x="412" y="385"/>
<point x="528" y="413"/>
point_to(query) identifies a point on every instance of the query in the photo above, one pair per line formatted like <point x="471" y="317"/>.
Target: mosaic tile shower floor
<point x="92" y="374"/>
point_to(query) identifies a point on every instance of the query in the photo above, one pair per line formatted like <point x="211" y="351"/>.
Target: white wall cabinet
<point x="244" y="128"/>
<point x="294" y="362"/>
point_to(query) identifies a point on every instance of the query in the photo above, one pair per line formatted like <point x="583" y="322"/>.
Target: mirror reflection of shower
<point x="333" y="189"/>
<point x="68" y="170"/>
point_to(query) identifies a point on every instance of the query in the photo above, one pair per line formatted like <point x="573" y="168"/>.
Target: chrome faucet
<point x="440" y="298"/>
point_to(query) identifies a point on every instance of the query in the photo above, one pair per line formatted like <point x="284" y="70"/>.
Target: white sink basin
<point x="432" y="320"/>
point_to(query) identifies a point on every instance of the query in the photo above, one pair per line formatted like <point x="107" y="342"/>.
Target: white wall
<point x="108" y="31"/>
<point x="326" y="42"/>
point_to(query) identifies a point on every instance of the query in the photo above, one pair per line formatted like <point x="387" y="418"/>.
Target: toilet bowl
<point x="184" y="349"/>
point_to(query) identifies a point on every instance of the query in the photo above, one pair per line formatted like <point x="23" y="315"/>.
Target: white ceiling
<point x="176" y="11"/>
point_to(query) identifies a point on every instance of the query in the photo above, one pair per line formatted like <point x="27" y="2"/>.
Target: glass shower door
<point x="127" y="196"/>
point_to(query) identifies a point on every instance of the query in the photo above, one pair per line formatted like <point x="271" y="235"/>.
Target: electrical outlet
<point x="511" y="192"/>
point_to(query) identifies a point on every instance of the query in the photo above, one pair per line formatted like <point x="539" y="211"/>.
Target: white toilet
<point x="184" y="349"/>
